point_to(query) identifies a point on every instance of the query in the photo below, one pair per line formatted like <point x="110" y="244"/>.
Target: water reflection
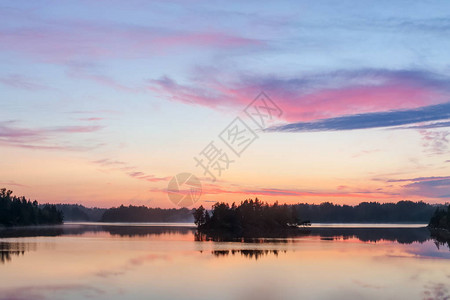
<point x="399" y="235"/>
<point x="107" y="262"/>
<point x="371" y="235"/>
<point x="248" y="253"/>
<point x="8" y="249"/>
<point x="113" y="230"/>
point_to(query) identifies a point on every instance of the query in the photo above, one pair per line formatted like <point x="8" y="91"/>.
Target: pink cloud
<point x="212" y="189"/>
<point x="22" y="82"/>
<point x="88" y="72"/>
<point x="314" y="96"/>
<point x="147" y="177"/>
<point x="42" y="138"/>
<point x="115" y="165"/>
<point x="435" y="142"/>
<point x="11" y="183"/>
<point x="432" y="187"/>
<point x="91" y="119"/>
<point x="64" y="41"/>
<point x="360" y="99"/>
<point x="107" y="162"/>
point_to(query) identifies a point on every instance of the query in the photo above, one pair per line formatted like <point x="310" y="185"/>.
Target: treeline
<point x="77" y="212"/>
<point x="441" y="218"/>
<point x="145" y="214"/>
<point x="367" y="212"/>
<point x="251" y="217"/>
<point x="19" y="211"/>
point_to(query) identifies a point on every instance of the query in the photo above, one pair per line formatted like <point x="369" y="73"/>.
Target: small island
<point x="439" y="226"/>
<point x="252" y="218"/>
<point x="441" y="219"/>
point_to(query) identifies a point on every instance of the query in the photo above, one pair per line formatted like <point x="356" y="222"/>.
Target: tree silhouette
<point x="199" y="216"/>
<point x="250" y="217"/>
<point x="441" y="218"/>
<point x="145" y="214"/>
<point x="20" y="211"/>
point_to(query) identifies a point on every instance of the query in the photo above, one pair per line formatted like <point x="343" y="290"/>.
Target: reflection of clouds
<point x="106" y="273"/>
<point x="262" y="290"/>
<point x="131" y="264"/>
<point x="150" y="257"/>
<point x="399" y="235"/>
<point x="436" y="291"/>
<point x="366" y="285"/>
<point x="44" y="292"/>
<point x="428" y="251"/>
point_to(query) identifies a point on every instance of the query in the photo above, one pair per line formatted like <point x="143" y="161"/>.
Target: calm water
<point x="80" y="261"/>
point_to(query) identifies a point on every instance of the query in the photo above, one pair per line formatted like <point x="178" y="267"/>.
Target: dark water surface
<point x="172" y="261"/>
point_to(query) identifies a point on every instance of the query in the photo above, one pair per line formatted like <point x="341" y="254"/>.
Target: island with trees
<point x="19" y="211"/>
<point x="441" y="218"/>
<point x="249" y="218"/>
<point x="440" y="226"/>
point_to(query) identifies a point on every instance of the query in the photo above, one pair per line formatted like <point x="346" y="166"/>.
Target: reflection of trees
<point x="399" y="235"/>
<point x="7" y="250"/>
<point x="441" y="237"/>
<point x="248" y="253"/>
<point x="32" y="231"/>
<point x="143" y="231"/>
<point x="128" y="231"/>
<point x="281" y="236"/>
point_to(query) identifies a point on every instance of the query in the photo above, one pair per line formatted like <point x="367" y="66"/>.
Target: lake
<point x="171" y="261"/>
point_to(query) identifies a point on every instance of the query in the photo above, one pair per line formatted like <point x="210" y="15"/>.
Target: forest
<point x="78" y="212"/>
<point x="146" y="214"/>
<point x="441" y="218"/>
<point x="19" y="211"/>
<point x="367" y="212"/>
<point x="251" y="217"/>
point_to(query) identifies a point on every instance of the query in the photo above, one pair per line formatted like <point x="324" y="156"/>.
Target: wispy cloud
<point x="435" y="142"/>
<point x="42" y="138"/>
<point x="107" y="162"/>
<point x="130" y="170"/>
<point x="11" y="183"/>
<point x="62" y="41"/>
<point x="418" y="179"/>
<point x="439" y="188"/>
<point x="427" y="187"/>
<point x="91" y="119"/>
<point x="212" y="189"/>
<point x="22" y="82"/>
<point x="371" y="120"/>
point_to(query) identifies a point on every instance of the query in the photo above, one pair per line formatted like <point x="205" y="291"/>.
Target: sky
<point x="102" y="103"/>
